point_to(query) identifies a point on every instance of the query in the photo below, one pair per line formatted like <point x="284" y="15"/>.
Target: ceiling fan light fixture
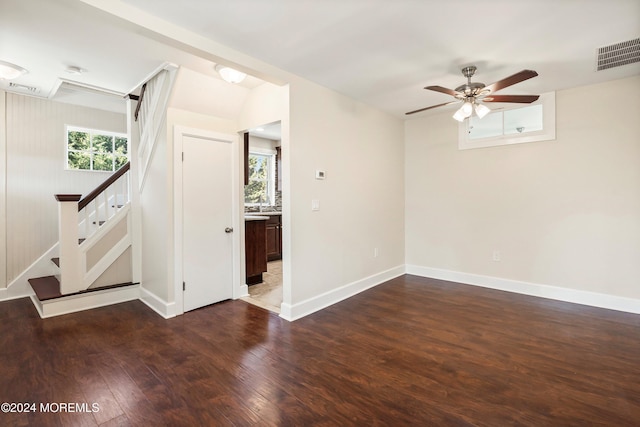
<point x="229" y="74"/>
<point x="471" y="92"/>
<point x="463" y="112"/>
<point x="9" y="71"/>
<point x="467" y="109"/>
<point x="482" y="110"/>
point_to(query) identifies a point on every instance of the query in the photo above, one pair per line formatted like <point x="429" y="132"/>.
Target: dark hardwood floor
<point x="412" y="351"/>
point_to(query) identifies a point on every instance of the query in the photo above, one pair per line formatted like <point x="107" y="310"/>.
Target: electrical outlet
<point x="315" y="205"/>
<point x="496" y="255"/>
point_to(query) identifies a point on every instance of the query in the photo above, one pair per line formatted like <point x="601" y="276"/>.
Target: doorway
<point x="205" y="218"/>
<point x="263" y="199"/>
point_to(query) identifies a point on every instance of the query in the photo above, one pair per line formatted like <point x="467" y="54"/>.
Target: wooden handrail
<point x="135" y="114"/>
<point x="68" y="197"/>
<point x="99" y="189"/>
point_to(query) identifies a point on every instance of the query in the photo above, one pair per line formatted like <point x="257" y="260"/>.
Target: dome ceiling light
<point x="9" y="71"/>
<point x="230" y="75"/>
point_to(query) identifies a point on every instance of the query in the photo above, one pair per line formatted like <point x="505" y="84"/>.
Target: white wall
<point x="155" y="214"/>
<point x="206" y="95"/>
<point x="35" y="171"/>
<point x="361" y="200"/>
<point x="262" y="143"/>
<point x="267" y="103"/>
<point x="563" y="213"/>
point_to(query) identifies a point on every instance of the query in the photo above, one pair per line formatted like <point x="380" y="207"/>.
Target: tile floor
<point x="268" y="294"/>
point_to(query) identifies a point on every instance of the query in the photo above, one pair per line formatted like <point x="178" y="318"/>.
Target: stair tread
<point x="48" y="288"/>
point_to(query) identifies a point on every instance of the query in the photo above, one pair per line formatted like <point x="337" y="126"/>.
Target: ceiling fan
<point x="472" y="94"/>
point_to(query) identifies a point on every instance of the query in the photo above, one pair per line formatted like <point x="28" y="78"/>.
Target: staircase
<point x="95" y="232"/>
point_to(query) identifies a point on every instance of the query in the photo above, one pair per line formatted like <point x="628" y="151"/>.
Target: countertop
<point x="256" y="217"/>
<point x="263" y="213"/>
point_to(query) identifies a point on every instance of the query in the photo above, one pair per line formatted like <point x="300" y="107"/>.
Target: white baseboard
<point x="21" y="290"/>
<point x="241" y="291"/>
<point x="296" y="311"/>
<point x="163" y="308"/>
<point x="594" y="299"/>
<point x="19" y="287"/>
<point x="85" y="301"/>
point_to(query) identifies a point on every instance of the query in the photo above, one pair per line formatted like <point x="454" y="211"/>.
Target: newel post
<point x="70" y="265"/>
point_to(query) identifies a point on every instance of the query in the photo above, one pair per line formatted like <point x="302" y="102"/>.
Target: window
<point x="533" y="122"/>
<point x="261" y="187"/>
<point x="89" y="149"/>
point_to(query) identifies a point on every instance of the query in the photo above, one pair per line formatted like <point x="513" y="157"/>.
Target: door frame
<point x="179" y="132"/>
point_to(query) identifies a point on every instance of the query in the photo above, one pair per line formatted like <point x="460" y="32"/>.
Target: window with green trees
<point x="261" y="187"/>
<point x="89" y="149"/>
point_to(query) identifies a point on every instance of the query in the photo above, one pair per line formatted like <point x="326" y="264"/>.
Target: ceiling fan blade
<point x="433" y="106"/>
<point x="522" y="99"/>
<point x="511" y="80"/>
<point x="443" y="90"/>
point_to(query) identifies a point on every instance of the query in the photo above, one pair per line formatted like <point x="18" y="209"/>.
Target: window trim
<point x="91" y="132"/>
<point x="271" y="177"/>
<point x="548" y="132"/>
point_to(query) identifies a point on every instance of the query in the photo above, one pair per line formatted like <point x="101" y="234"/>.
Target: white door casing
<point x="205" y="205"/>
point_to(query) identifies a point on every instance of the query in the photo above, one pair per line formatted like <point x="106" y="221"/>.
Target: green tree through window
<point x="260" y="187"/>
<point x="89" y="149"/>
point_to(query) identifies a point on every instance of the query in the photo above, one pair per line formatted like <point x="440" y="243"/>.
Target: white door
<point x="207" y="254"/>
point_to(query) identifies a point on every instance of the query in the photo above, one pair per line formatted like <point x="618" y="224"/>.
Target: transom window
<point x="510" y="122"/>
<point x="90" y="149"/>
<point x="511" y="125"/>
<point x="261" y="187"/>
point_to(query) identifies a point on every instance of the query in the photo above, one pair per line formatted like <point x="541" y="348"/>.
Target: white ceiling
<point x="381" y="52"/>
<point x="269" y="131"/>
<point x="46" y="37"/>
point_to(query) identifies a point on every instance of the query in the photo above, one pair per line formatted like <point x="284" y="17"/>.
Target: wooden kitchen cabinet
<point x="274" y="237"/>
<point x="255" y="250"/>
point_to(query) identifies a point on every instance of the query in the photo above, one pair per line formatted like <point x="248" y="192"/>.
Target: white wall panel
<point x="358" y="230"/>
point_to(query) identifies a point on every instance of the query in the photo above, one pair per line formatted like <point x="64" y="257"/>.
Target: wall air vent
<point x="619" y="54"/>
<point x="23" y="88"/>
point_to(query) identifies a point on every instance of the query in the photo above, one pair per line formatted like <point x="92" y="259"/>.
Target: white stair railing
<point x="84" y="222"/>
<point x="151" y="114"/>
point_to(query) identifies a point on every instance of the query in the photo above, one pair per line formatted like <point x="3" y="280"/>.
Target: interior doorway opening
<point x="263" y="216"/>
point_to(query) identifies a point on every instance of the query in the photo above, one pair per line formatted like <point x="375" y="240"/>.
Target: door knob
<point x="228" y="230"/>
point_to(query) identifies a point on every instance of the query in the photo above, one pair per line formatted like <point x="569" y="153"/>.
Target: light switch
<point x="319" y="174"/>
<point x="315" y="205"/>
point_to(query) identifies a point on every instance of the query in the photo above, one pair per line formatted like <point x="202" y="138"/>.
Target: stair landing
<point x="48" y="287"/>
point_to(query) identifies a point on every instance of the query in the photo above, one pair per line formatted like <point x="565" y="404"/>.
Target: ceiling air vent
<point x="16" y="86"/>
<point x="619" y="54"/>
